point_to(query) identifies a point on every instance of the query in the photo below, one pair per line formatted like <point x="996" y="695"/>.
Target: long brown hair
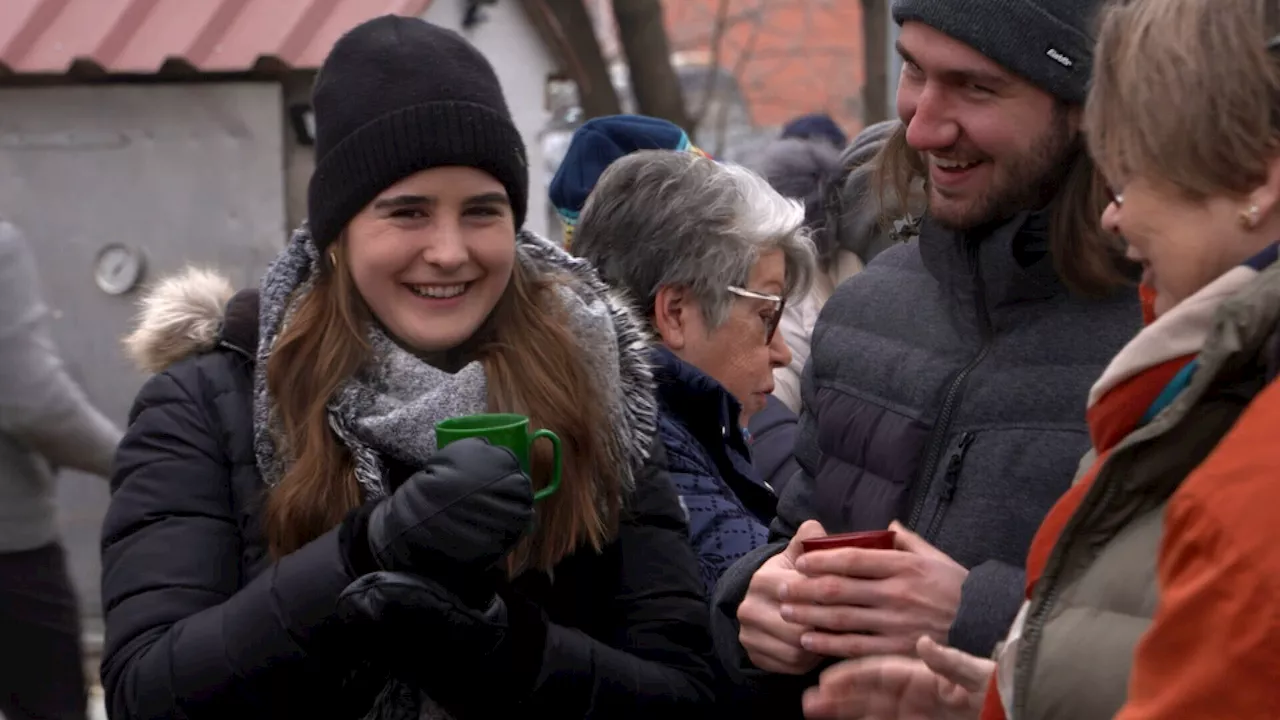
<point x="1088" y="259"/>
<point x="322" y="345"/>
<point x="534" y="366"/>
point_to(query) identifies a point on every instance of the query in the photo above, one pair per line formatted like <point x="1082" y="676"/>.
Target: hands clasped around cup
<point x="847" y="602"/>
<point x="772" y="642"/>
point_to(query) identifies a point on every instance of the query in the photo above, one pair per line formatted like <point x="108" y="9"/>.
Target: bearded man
<point x="946" y="388"/>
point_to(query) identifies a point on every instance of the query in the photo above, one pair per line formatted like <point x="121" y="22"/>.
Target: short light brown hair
<point x="1187" y="92"/>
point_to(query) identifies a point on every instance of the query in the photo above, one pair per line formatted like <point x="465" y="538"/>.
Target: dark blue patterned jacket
<point x="729" y="507"/>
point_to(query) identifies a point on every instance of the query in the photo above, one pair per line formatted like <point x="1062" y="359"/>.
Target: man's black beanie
<point x="398" y="95"/>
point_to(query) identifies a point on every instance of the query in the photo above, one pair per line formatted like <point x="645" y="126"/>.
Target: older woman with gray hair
<point x="710" y="253"/>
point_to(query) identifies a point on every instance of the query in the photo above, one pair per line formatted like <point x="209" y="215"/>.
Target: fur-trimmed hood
<point x="179" y="317"/>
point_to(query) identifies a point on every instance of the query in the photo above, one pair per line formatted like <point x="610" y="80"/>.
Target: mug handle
<point x="549" y="490"/>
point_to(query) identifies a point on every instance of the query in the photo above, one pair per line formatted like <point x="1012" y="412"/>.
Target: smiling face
<point x="1181" y="120"/>
<point x="432" y="255"/>
<point x="994" y="144"/>
<point x="1183" y="244"/>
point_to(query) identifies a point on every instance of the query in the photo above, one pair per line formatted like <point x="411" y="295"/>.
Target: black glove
<point x="459" y="516"/>
<point x="443" y="645"/>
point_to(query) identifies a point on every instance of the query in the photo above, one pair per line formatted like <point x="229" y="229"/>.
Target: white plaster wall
<point x="523" y="63"/>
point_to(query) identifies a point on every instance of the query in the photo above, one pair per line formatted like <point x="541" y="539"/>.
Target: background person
<point x="46" y="423"/>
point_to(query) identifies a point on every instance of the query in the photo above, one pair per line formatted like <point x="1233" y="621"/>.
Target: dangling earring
<point x="333" y="258"/>
<point x="1249" y="218"/>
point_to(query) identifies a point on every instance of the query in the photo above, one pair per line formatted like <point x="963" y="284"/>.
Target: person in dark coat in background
<point x="285" y="540"/>
<point x="815" y="126"/>
<point x="708" y="252"/>
<point x="773" y="438"/>
<point x="803" y="170"/>
<point x="46" y="422"/>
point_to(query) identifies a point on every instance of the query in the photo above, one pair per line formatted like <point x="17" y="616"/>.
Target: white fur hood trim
<point x="178" y="317"/>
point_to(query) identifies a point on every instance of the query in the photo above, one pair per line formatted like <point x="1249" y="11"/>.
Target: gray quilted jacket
<point x="46" y="422"/>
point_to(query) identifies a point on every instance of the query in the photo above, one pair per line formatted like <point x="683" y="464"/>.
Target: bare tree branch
<point x="875" y="48"/>
<point x="653" y="80"/>
<point x="744" y="57"/>
<point x="779" y="33"/>
<point x="713" y="71"/>
<point x="568" y="22"/>
<point x="732" y="18"/>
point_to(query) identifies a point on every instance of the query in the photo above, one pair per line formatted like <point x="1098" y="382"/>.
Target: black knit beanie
<point x="1048" y="42"/>
<point x="398" y="95"/>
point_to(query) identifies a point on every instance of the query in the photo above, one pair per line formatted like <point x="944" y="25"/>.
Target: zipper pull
<point x="952" y="477"/>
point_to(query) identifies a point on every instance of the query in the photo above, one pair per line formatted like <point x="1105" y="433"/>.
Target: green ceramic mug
<point x="508" y="430"/>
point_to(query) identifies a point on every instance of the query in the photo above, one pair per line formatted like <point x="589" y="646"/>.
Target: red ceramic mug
<point x="871" y="540"/>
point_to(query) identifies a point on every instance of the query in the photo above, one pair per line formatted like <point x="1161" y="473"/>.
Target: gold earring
<point x="333" y="258"/>
<point x="1249" y="218"/>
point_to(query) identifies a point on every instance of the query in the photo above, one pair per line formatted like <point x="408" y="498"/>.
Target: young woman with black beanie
<point x="285" y="539"/>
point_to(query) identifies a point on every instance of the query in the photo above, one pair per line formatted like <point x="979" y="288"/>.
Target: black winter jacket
<point x="200" y="623"/>
<point x="773" y="442"/>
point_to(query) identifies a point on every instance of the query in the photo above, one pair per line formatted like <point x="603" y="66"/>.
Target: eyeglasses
<point x="775" y="316"/>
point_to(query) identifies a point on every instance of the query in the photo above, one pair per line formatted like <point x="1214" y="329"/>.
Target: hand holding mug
<point x="462" y="513"/>
<point x="772" y="642"/>
<point x="509" y="431"/>
<point x="863" y="602"/>
<point x="470" y="504"/>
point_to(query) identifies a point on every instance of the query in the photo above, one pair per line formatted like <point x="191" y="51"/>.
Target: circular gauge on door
<point x="118" y="269"/>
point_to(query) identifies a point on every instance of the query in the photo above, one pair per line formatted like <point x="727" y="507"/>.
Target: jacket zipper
<point x="938" y="440"/>
<point x="950" y="481"/>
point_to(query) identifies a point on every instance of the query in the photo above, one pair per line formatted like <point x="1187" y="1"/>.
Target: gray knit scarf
<point x="389" y="409"/>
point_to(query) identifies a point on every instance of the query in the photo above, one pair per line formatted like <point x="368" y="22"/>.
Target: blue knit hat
<point x="595" y="146"/>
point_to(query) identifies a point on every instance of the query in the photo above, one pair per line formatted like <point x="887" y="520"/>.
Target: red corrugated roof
<point x="139" y="36"/>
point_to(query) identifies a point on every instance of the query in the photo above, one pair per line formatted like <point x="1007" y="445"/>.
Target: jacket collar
<point x="1182" y="332"/>
<point x="701" y="403"/>
<point x="1236" y="348"/>
<point x="239" y="331"/>
<point x="1012" y="256"/>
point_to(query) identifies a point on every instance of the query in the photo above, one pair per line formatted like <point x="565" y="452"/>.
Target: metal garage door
<point x="181" y="173"/>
